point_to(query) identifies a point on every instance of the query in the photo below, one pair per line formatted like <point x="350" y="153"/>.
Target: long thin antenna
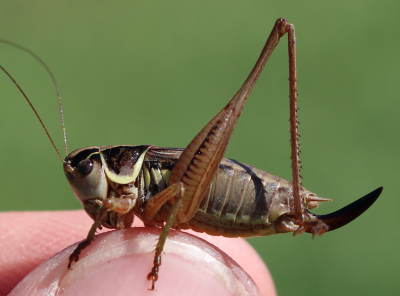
<point x="37" y="115"/>
<point x="55" y="85"/>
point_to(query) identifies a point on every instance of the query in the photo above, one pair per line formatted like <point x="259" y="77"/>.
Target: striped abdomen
<point x="242" y="201"/>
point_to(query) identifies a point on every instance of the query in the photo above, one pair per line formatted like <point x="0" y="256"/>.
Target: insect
<point x="196" y="188"/>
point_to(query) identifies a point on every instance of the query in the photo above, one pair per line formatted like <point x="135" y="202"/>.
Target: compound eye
<point x="85" y="167"/>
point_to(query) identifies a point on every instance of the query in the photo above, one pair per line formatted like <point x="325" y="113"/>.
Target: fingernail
<point x="118" y="262"/>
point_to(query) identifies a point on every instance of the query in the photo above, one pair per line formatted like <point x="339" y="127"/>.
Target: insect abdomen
<point x="242" y="201"/>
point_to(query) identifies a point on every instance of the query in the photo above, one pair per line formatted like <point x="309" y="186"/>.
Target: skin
<point x="30" y="238"/>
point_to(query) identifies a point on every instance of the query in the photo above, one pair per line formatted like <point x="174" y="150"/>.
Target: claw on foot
<point x="316" y="227"/>
<point x="75" y="254"/>
<point x="153" y="277"/>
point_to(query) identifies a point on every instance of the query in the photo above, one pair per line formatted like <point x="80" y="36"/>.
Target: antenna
<point x="55" y="85"/>
<point x="69" y="168"/>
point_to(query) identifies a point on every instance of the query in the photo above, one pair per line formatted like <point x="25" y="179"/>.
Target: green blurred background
<point x="155" y="72"/>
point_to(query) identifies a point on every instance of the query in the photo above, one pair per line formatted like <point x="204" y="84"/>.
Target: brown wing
<point x="163" y="154"/>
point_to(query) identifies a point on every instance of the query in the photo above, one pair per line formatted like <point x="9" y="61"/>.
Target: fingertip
<point x="118" y="262"/>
